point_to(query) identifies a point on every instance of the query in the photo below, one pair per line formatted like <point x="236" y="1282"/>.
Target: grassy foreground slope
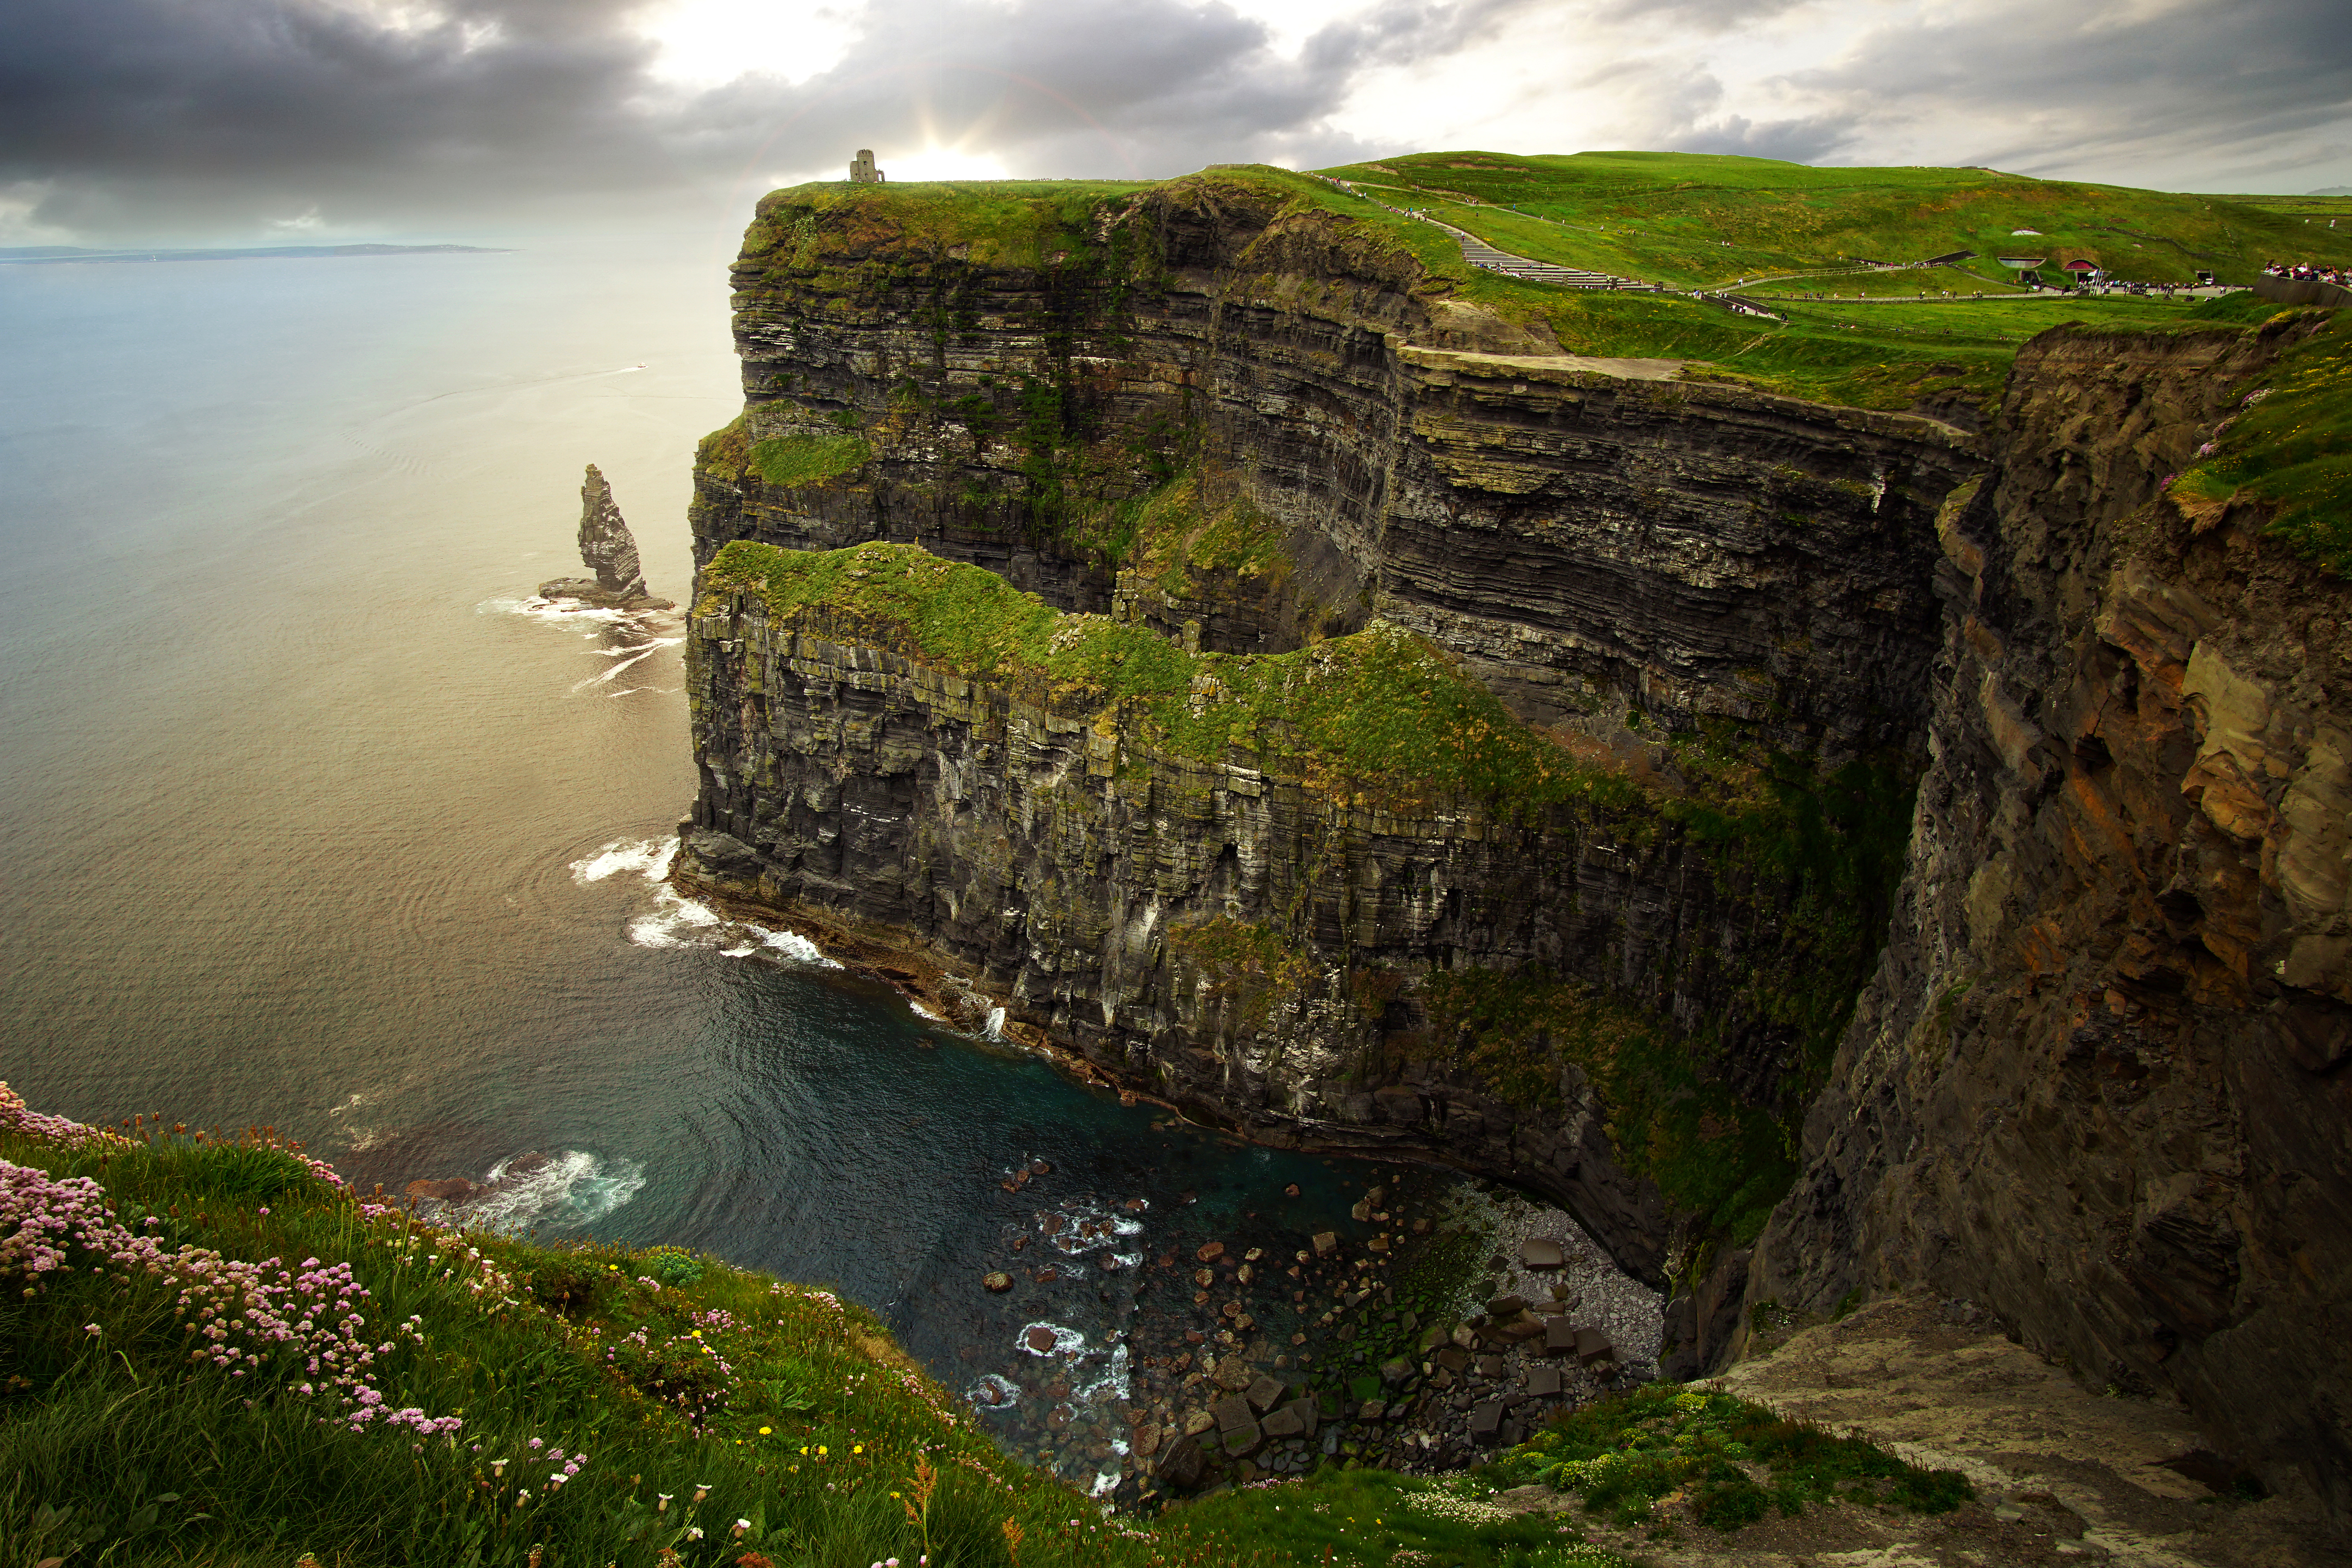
<point x="1709" y="220"/>
<point x="212" y="1351"/>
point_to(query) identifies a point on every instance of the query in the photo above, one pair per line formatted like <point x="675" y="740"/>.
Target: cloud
<point x="160" y="112"/>
<point x="153" y="119"/>
<point x="2156" y="89"/>
<point x="137" y="115"/>
<point x="1812" y="139"/>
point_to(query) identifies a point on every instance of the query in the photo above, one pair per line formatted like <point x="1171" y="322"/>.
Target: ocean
<point x="311" y="815"/>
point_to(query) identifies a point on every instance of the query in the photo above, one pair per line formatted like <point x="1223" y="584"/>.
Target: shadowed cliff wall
<point x="2099" y="1083"/>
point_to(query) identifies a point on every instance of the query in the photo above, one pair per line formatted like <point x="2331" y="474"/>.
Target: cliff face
<point x="1593" y="543"/>
<point x="2098" y="1084"/>
<point x="1245" y="425"/>
<point x="1245" y="460"/>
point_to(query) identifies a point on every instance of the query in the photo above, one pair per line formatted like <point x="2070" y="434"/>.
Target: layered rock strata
<point x="607" y="549"/>
<point x="2100" y="1082"/>
<point x="1229" y="931"/>
<point x="1595" y="542"/>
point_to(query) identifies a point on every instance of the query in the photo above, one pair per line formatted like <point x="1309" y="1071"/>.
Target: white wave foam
<point x="1112" y="1386"/>
<point x="994" y="1393"/>
<point x="671" y="919"/>
<point x="791" y="944"/>
<point x="1087" y="1227"/>
<point x="924" y="1013"/>
<point x="1067" y="1342"/>
<point x="675" y="922"/>
<point x="995" y="1026"/>
<point x="568" y="1189"/>
<point x="555" y="612"/>
<point x="650" y="855"/>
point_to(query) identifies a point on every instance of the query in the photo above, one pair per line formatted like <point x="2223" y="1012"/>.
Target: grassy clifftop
<point x="212" y="1350"/>
<point x="2289" y="445"/>
<point x="1705" y="220"/>
<point x="1664" y="217"/>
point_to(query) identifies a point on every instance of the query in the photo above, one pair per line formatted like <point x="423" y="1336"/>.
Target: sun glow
<point x="938" y="163"/>
<point x="707" y="42"/>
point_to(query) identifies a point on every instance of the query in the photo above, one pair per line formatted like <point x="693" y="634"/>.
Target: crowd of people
<point x="2302" y="272"/>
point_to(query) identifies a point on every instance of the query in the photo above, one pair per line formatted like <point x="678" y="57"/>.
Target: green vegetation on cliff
<point x="1005" y="223"/>
<point x="1381" y="719"/>
<point x="788" y="461"/>
<point x="1711" y="1154"/>
<point x="2289" y="447"/>
<point x="1625" y="1456"/>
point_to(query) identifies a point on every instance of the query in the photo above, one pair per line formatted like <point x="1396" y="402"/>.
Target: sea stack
<point x="607" y="548"/>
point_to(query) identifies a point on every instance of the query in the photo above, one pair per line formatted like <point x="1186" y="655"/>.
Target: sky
<point x="314" y="122"/>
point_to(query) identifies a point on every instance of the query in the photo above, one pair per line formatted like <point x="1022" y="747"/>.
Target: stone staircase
<point x="1478" y="253"/>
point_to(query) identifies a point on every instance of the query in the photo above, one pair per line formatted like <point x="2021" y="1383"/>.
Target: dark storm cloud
<point x="2057" y="87"/>
<point x="154" y="118"/>
<point x="157" y="110"/>
<point x="1802" y="140"/>
<point x="148" y="115"/>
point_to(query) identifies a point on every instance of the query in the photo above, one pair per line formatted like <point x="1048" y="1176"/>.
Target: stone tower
<point x="862" y="171"/>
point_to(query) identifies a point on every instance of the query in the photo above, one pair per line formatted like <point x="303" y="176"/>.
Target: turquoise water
<point x="309" y="817"/>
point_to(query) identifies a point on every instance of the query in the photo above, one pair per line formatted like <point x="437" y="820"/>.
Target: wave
<point x="650" y="855"/>
<point x="564" y="1191"/>
<point x="556" y="612"/>
<point x="636" y="656"/>
<point x="1088" y="1227"/>
<point x="994" y="1393"/>
<point x="672" y="920"/>
<point x="675" y="920"/>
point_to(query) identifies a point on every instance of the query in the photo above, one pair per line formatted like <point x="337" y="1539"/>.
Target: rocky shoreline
<point x="1466" y="1318"/>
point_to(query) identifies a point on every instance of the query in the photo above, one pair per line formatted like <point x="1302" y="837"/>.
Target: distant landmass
<point x="2331" y="191"/>
<point x="56" y="253"/>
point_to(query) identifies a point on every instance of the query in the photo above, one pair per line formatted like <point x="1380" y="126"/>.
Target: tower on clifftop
<point x="862" y="171"/>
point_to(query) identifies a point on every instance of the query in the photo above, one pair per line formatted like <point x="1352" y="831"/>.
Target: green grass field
<point x="2289" y="445"/>
<point x="1782" y="231"/>
<point x="1693" y="220"/>
<point x="1889" y="351"/>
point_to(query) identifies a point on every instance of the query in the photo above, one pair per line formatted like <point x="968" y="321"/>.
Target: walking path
<point x="1478" y="253"/>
